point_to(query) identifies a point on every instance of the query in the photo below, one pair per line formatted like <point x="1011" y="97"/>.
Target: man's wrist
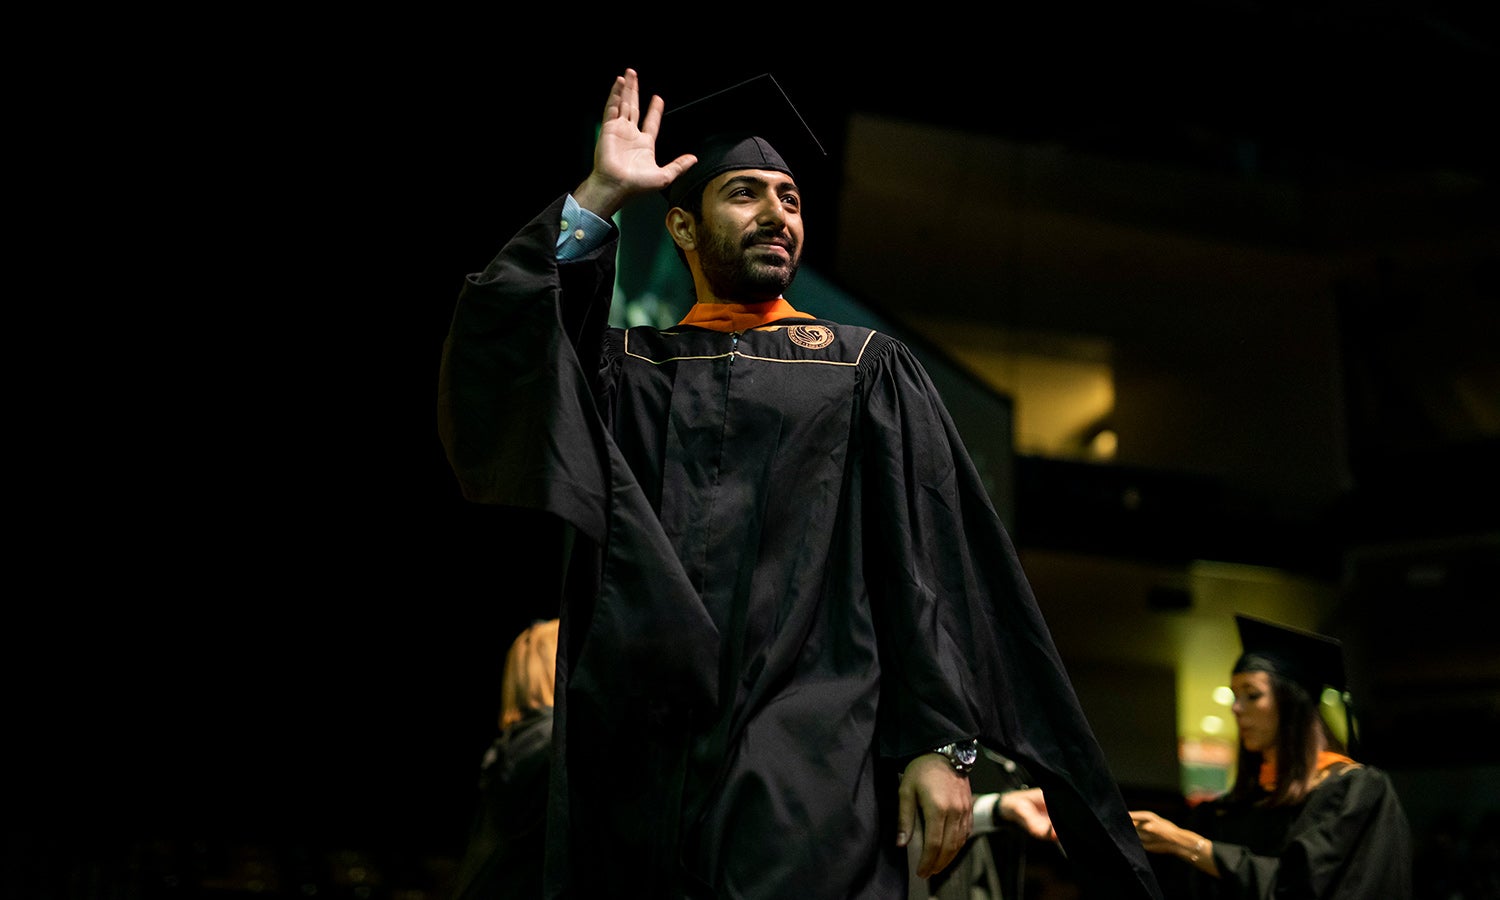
<point x="580" y="231"/>
<point x="601" y="196"/>
<point x="961" y="755"/>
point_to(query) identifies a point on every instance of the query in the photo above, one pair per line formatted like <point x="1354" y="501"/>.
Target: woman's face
<point x="1254" y="710"/>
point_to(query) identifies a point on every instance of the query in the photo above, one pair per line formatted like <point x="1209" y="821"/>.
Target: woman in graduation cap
<point x="1303" y="818"/>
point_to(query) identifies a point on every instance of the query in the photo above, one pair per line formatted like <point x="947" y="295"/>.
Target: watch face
<point x="967" y="754"/>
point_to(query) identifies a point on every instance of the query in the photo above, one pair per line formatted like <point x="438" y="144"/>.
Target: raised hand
<point x="625" y="153"/>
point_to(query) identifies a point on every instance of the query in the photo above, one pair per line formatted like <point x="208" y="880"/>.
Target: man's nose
<point x="771" y="213"/>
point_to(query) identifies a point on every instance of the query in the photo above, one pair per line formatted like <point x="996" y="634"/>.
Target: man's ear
<point x="682" y="228"/>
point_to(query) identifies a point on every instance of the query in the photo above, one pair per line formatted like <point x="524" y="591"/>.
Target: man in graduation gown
<point x="790" y="608"/>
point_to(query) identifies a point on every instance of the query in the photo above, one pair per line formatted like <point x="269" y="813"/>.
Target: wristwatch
<point x="962" y="755"/>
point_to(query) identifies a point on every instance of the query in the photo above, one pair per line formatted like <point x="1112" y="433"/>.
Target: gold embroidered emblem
<point x="813" y="337"/>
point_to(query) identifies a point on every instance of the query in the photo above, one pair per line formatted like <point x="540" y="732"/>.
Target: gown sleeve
<point x="520" y="389"/>
<point x="511" y="372"/>
<point x="965" y="649"/>
<point x="1352" y="840"/>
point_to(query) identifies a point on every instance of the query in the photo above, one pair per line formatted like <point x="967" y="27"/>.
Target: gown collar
<point x="728" y="317"/>
<point x="1326" y="758"/>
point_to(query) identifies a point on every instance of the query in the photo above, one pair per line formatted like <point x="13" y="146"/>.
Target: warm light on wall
<point x="1063" y="386"/>
<point x="1104" y="445"/>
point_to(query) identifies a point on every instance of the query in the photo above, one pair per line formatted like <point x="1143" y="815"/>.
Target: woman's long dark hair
<point x="1298" y="726"/>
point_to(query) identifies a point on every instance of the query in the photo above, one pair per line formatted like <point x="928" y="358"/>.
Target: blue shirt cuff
<point x="579" y="231"/>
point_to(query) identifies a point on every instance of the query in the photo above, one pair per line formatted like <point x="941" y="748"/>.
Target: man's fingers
<point x="612" y="103"/>
<point x="906" y="810"/>
<point x="933" y="848"/>
<point x="677" y="166"/>
<point x="624" y="98"/>
<point x="651" y="122"/>
<point x="941" y="841"/>
<point x="939" y="801"/>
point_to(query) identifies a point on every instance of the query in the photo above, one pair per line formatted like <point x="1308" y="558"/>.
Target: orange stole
<point x="1326" y="758"/>
<point x="729" y="317"/>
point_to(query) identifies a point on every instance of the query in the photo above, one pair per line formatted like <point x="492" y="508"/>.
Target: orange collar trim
<point x="1326" y="758"/>
<point x="729" y="317"/>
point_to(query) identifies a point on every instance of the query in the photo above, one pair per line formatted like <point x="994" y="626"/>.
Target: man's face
<point x="752" y="234"/>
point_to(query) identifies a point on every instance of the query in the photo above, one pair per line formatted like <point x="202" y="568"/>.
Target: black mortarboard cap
<point x="751" y="125"/>
<point x="1311" y="660"/>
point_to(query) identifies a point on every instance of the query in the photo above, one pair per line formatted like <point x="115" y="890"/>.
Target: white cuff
<point x="986" y="813"/>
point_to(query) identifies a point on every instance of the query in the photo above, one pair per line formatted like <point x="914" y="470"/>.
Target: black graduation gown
<point x="1350" y="839"/>
<point x="508" y="837"/>
<point x="789" y="580"/>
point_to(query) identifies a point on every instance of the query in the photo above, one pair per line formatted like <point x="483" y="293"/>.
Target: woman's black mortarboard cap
<point x="739" y="127"/>
<point x="1312" y="660"/>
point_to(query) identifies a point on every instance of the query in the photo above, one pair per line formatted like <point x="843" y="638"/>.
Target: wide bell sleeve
<point x="965" y="651"/>
<point x="515" y="410"/>
<point x="520" y="390"/>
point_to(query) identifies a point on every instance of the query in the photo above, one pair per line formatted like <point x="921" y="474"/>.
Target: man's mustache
<point x="770" y="237"/>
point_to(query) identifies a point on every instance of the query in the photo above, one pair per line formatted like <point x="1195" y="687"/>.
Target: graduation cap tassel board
<point x="1313" y="661"/>
<point x="750" y="125"/>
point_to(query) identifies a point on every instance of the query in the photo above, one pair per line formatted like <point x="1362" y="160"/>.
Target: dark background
<point x="259" y="615"/>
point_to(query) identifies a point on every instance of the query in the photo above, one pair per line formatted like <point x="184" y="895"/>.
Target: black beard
<point x="732" y="273"/>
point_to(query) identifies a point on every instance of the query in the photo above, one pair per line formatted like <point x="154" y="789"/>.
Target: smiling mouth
<point x="779" y="248"/>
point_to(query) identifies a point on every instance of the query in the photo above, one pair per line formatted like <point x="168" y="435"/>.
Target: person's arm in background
<point x="1159" y="835"/>
<point x="1026" y="808"/>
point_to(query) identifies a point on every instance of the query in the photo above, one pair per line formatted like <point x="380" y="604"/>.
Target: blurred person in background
<point x="508" y="838"/>
<point x="1303" y="818"/>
